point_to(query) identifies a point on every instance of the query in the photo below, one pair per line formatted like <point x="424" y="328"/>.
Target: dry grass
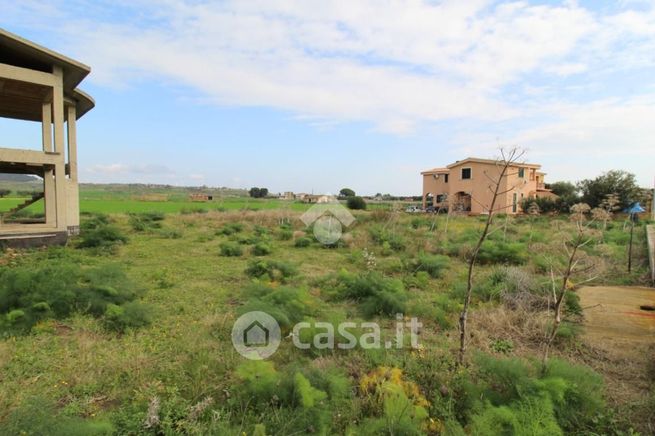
<point x="526" y="329"/>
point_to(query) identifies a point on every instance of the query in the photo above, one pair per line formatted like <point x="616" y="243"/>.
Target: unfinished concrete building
<point x="39" y="85"/>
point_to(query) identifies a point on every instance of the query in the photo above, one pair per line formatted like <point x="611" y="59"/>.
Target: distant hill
<point x="4" y="177"/>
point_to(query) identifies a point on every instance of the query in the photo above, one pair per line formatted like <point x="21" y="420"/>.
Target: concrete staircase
<point x="27" y="203"/>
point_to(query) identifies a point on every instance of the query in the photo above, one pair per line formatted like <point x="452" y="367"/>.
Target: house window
<point x="445" y="178"/>
<point x="514" y="203"/>
<point x="521" y="172"/>
<point x="441" y="198"/>
<point x="466" y="173"/>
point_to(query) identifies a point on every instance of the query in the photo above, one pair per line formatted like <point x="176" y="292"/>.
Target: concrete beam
<point x="26" y="75"/>
<point x="30" y="157"/>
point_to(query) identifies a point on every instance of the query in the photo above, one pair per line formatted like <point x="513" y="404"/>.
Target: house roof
<point x="22" y="99"/>
<point x="436" y="171"/>
<point x="488" y="161"/>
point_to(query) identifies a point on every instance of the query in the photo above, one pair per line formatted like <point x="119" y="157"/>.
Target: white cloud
<point x="395" y="64"/>
<point x="542" y="75"/>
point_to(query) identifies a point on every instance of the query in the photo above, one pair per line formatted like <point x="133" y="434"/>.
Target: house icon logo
<point x="256" y="335"/>
<point x="328" y="220"/>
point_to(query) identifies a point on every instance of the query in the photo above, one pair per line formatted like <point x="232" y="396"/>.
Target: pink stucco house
<point x="465" y="186"/>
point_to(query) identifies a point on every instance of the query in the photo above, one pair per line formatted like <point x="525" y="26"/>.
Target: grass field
<point x="180" y="374"/>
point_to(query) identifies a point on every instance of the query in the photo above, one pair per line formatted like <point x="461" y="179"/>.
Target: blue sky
<point x="315" y="96"/>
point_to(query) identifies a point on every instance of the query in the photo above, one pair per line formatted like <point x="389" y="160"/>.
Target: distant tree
<point x="621" y="183"/>
<point x="258" y="192"/>
<point x="568" y="195"/>
<point x="346" y="192"/>
<point x="356" y="203"/>
<point x="4" y="192"/>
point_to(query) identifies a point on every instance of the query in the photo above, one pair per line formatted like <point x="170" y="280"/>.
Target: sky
<point x="314" y="96"/>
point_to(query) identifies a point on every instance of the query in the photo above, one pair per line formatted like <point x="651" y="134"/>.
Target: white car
<point x="413" y="209"/>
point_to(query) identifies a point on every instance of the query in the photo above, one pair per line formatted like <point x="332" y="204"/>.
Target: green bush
<point x="259" y="380"/>
<point x="230" y="229"/>
<point x="514" y="396"/>
<point x="287" y="305"/>
<point x="230" y="249"/>
<point x="101" y="236"/>
<point x="261" y="249"/>
<point x="57" y="288"/>
<point x="434" y="265"/>
<point x="303" y="242"/>
<point x="356" y="203"/>
<point x="146" y="221"/>
<point x="375" y="294"/>
<point x="513" y="253"/>
<point x="129" y="315"/>
<point x="272" y="269"/>
<point x="381" y="235"/>
<point x="285" y="234"/>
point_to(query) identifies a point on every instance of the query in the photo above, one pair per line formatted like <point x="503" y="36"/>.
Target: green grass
<point x="9" y="203"/>
<point x="76" y="369"/>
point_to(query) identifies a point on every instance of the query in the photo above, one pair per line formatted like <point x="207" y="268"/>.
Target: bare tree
<point x="572" y="247"/>
<point x="498" y="186"/>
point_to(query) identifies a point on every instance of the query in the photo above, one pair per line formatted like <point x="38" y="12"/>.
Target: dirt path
<point x="622" y="337"/>
<point x="613" y="316"/>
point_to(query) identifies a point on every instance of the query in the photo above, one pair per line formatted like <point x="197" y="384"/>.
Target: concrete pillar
<point x="46" y="126"/>
<point x="71" y="119"/>
<point x="48" y="174"/>
<point x="50" y="197"/>
<point x="58" y="129"/>
<point x="72" y="188"/>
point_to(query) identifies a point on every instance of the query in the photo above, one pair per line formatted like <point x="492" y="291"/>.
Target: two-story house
<point x="467" y="186"/>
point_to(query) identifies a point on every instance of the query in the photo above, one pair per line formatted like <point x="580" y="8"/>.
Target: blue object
<point x="635" y="208"/>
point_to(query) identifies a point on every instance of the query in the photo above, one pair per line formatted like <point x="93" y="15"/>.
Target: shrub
<point x="57" y="288"/>
<point x="102" y="236"/>
<point x="356" y="203"/>
<point x="272" y="269"/>
<point x="230" y="229"/>
<point x="146" y="220"/>
<point x="230" y="249"/>
<point x="564" y="398"/>
<point x="381" y="236"/>
<point x="129" y="315"/>
<point x="502" y="252"/>
<point x="434" y="265"/>
<point x="376" y="294"/>
<point x="307" y="395"/>
<point x="398" y="402"/>
<point x="582" y="398"/>
<point x="287" y="305"/>
<point x="261" y="230"/>
<point x="303" y="242"/>
<point x="503" y="346"/>
<point x="261" y="249"/>
<point x="285" y="234"/>
<point x="259" y="380"/>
